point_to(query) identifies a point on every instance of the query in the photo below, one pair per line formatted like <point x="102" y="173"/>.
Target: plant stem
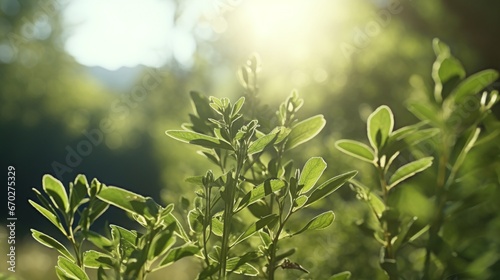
<point x="389" y="250"/>
<point x="274" y="248"/>
<point x="228" y="211"/>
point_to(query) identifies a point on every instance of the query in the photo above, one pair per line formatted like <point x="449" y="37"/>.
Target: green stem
<point x="389" y="249"/>
<point x="228" y="212"/>
<point x="274" y="248"/>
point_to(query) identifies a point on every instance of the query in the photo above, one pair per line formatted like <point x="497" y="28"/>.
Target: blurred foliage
<point x="47" y="99"/>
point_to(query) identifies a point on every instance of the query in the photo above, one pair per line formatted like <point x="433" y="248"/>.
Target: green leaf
<point x="329" y="187"/>
<point x="49" y="215"/>
<point x="217" y="226"/>
<point x="474" y="84"/>
<point x="178" y="253"/>
<point x="299" y="202"/>
<point x="170" y="218"/>
<point x="98" y="240"/>
<point x="440" y="48"/>
<point x="285" y="254"/>
<point x="240" y="265"/>
<point x="408" y="170"/>
<point x="426" y="112"/>
<point x="346" y="275"/>
<point x="77" y="192"/>
<point x="195" y="220"/>
<point x="356" y="149"/>
<point x="129" y="201"/>
<point x="162" y="241"/>
<point x="446" y="69"/>
<point x="260" y="191"/>
<point x="61" y="274"/>
<point x="199" y="139"/>
<point x="379" y="127"/>
<point x="305" y="131"/>
<point x="421" y="135"/>
<point x="254" y="227"/>
<point x="471" y="140"/>
<point x="364" y="193"/>
<point x="237" y="106"/>
<point x="260" y="144"/>
<point x="71" y="269"/>
<point x="321" y="221"/>
<point x="50" y="242"/>
<point x="312" y="171"/>
<point x="94" y="259"/>
<point x="57" y="194"/>
<point x="98" y="208"/>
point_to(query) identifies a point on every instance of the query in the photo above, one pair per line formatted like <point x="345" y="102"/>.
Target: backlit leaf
<point x="408" y="170"/>
<point x="57" y="194"/>
<point x="321" y="221"/>
<point x="312" y="171"/>
<point x="305" y="131"/>
<point x="380" y="125"/>
<point x="199" y="139"/>
<point x="50" y="242"/>
<point x="356" y="149"/>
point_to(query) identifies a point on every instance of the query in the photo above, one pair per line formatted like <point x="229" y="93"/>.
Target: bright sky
<point x="116" y="33"/>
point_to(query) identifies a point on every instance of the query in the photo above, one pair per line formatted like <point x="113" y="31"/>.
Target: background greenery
<point x="47" y="99"/>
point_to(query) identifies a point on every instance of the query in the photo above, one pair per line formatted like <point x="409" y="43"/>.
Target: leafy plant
<point x="452" y="132"/>
<point x="123" y="254"/>
<point x="254" y="178"/>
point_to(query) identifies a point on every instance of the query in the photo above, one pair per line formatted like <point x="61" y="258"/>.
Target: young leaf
<point x="128" y="201"/>
<point x="471" y="140"/>
<point x="408" y="170"/>
<point x="260" y="144"/>
<point x="62" y="275"/>
<point x="380" y="126"/>
<point x="305" y="131"/>
<point x="237" y="107"/>
<point x="346" y="275"/>
<point x="364" y="193"/>
<point x="98" y="240"/>
<point x="312" y="171"/>
<point x="321" y="221"/>
<point x="55" y="189"/>
<point x="77" y="192"/>
<point x="329" y="187"/>
<point x="162" y="242"/>
<point x="98" y="208"/>
<point x="49" y="215"/>
<point x="254" y="227"/>
<point x="50" y="242"/>
<point x="199" y="139"/>
<point x="474" y="84"/>
<point x="195" y="220"/>
<point x="445" y="70"/>
<point x="94" y="259"/>
<point x="170" y="218"/>
<point x="425" y="112"/>
<point x="217" y="226"/>
<point x="178" y="253"/>
<point x="260" y="191"/>
<point x="71" y="269"/>
<point x="240" y="264"/>
<point x="356" y="149"/>
<point x="421" y="135"/>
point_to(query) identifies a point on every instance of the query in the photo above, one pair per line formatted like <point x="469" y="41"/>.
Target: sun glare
<point x="116" y="33"/>
<point x="290" y="29"/>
